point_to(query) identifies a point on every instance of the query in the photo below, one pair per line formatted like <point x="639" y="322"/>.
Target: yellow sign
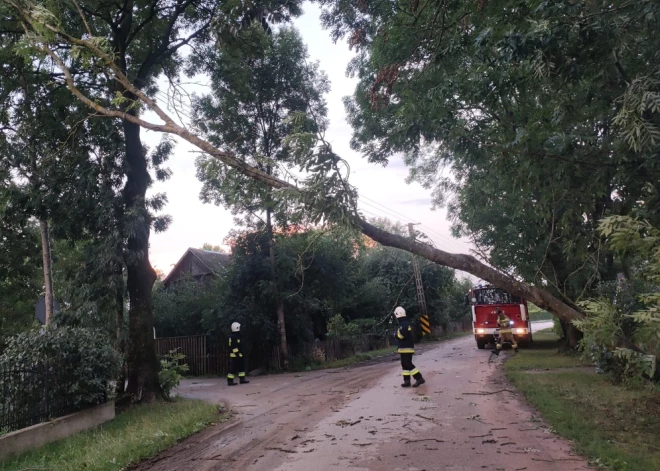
<point x="426" y="325"/>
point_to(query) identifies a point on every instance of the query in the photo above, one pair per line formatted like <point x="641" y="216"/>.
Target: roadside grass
<point x="540" y="316"/>
<point x="134" y="435"/>
<point x="616" y="427"/>
<point x="544" y="354"/>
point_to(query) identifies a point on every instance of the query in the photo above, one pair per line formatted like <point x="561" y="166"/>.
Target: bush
<point x="622" y="326"/>
<point x="171" y="371"/>
<point x="339" y="328"/>
<point x="79" y="365"/>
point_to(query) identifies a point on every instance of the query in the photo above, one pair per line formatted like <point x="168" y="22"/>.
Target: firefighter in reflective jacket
<point x="405" y="342"/>
<point x="236" y="361"/>
<point x="506" y="335"/>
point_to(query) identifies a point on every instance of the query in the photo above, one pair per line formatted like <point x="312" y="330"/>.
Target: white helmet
<point x="399" y="312"/>
<point x="235" y="327"/>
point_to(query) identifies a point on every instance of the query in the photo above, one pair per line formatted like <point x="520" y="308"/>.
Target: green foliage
<point x="622" y="331"/>
<point x="171" y="371"/>
<point x="328" y="279"/>
<point x="144" y="41"/>
<point x="21" y="277"/>
<point x="339" y="328"/>
<point x="183" y="308"/>
<point x="81" y="365"/>
<point x="545" y="112"/>
<point x="263" y="89"/>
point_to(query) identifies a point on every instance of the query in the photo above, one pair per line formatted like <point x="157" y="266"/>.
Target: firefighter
<point x="236" y="361"/>
<point x="405" y="342"/>
<point x="506" y="335"/>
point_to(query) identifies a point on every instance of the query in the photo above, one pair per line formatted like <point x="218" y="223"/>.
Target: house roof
<point x="216" y="261"/>
<point x="212" y="262"/>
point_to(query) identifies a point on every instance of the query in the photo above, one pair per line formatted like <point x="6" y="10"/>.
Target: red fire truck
<point x="484" y="301"/>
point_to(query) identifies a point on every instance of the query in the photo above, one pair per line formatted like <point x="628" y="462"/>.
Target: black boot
<point x="230" y="382"/>
<point x="419" y="380"/>
<point x="242" y="380"/>
<point x="406" y="382"/>
<point x="495" y="352"/>
<point x="515" y="350"/>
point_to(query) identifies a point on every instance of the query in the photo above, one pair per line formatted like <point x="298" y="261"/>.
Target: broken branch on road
<point x="280" y="449"/>
<point x="488" y="393"/>
<point x="424" y="417"/>
<point x="422" y="440"/>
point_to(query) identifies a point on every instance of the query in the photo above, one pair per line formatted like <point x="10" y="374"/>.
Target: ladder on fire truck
<point x="424" y="317"/>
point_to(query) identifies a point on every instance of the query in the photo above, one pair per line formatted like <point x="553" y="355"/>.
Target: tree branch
<point x="467" y="263"/>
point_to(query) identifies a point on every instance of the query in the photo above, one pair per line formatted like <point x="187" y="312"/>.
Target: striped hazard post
<point x="426" y="325"/>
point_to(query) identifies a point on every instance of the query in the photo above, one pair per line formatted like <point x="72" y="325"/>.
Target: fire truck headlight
<point x="481" y="331"/>
<point x="521" y="331"/>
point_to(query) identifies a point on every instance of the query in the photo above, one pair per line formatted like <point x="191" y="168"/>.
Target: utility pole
<point x="424" y="317"/>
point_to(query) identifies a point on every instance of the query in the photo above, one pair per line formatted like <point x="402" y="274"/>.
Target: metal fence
<point x="29" y="396"/>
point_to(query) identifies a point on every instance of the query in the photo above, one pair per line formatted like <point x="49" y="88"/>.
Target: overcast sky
<point x="383" y="190"/>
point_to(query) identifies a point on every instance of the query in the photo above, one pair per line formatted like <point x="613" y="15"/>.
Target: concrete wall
<point x="57" y="429"/>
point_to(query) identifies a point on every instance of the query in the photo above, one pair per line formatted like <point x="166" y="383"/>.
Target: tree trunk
<point x="284" y="350"/>
<point x="48" y="269"/>
<point x="142" y="361"/>
<point x="119" y="320"/>
<point x="468" y="263"/>
<point x="538" y="296"/>
<point x="573" y="336"/>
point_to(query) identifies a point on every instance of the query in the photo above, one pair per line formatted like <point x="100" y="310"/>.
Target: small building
<point x="198" y="264"/>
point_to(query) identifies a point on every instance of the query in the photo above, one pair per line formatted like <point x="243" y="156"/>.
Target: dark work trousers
<point x="408" y="368"/>
<point x="236" y="367"/>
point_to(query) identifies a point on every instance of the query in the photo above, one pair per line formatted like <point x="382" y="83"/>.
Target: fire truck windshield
<point x="494" y="296"/>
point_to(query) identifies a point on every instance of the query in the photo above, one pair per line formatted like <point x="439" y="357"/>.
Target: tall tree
<point x="260" y="82"/>
<point x="65" y="172"/>
<point x="145" y="39"/>
<point x="531" y="105"/>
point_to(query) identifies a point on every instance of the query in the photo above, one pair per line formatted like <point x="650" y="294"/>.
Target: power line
<point x="392" y="213"/>
<point x="433" y="241"/>
<point x="391" y="210"/>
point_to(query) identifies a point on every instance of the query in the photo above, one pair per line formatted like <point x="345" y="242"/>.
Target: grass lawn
<point x="138" y="433"/>
<point x="543" y="355"/>
<point x="540" y="316"/>
<point x="618" y="428"/>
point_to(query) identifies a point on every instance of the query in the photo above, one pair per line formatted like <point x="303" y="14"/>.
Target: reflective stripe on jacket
<point x="235" y="345"/>
<point x="404" y="337"/>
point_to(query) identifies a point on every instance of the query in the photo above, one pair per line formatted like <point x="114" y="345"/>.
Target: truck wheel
<point x="481" y="344"/>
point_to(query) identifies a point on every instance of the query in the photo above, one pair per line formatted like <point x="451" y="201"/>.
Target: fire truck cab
<point x="484" y="301"/>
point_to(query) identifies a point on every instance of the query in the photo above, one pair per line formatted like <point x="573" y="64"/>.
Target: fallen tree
<point x="331" y="199"/>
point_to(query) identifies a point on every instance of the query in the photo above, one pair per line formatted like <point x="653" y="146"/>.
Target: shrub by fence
<point x="50" y="373"/>
<point x="29" y="396"/>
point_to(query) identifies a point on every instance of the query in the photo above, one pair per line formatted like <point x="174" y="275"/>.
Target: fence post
<point x="47" y="393"/>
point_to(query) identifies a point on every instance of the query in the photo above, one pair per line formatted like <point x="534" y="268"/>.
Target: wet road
<point x="465" y="418"/>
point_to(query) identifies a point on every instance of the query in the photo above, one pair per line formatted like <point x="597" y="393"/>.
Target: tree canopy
<point x="545" y="112"/>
